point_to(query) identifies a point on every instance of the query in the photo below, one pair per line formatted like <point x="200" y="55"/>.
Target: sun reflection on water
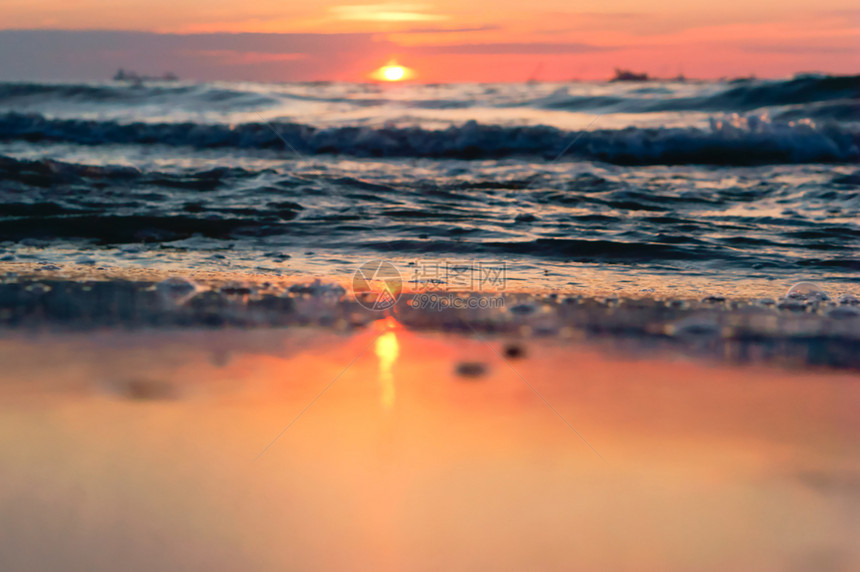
<point x="387" y="349"/>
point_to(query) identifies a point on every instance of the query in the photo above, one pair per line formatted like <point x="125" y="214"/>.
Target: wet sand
<point x="306" y="449"/>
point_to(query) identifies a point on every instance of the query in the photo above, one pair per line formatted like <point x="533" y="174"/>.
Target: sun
<point x="392" y="72"/>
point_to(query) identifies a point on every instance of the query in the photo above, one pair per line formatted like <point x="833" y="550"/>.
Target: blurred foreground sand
<point x="138" y="451"/>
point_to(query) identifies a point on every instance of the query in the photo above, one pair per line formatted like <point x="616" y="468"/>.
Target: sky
<point x="441" y="41"/>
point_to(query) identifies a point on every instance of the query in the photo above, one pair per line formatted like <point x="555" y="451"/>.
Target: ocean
<point x="667" y="191"/>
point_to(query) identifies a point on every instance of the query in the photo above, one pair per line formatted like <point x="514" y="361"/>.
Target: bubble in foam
<point x="38" y="288"/>
<point x="177" y="289"/>
<point x="694" y="327"/>
<point x="524" y="309"/>
<point x="807" y="291"/>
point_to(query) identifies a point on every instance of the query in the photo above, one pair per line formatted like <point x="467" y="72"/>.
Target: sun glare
<point x="392" y="72"/>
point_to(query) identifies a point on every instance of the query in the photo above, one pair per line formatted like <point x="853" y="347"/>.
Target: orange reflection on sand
<point x="387" y="350"/>
<point x="144" y="442"/>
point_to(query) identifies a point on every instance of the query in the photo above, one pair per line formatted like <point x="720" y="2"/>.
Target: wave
<point x="190" y="96"/>
<point x="838" y="110"/>
<point x="730" y="96"/>
<point x="735" y="96"/>
<point x="735" y="140"/>
<point x="88" y="91"/>
<point x="47" y="172"/>
<point x="592" y="215"/>
<point x="183" y="96"/>
<point x="801" y="89"/>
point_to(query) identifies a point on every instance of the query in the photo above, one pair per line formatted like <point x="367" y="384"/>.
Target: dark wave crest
<point x="737" y="96"/>
<point x="737" y="141"/>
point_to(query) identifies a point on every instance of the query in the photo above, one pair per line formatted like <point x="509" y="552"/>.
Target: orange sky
<point x="501" y="40"/>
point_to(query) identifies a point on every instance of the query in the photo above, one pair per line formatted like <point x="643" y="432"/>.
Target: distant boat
<point x="627" y="75"/>
<point x="123" y="75"/>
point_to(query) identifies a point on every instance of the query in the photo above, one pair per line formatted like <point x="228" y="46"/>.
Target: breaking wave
<point x="735" y="140"/>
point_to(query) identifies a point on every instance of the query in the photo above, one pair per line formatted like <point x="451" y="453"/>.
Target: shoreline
<point x="807" y="328"/>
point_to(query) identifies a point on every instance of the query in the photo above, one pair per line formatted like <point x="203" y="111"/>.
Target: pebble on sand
<point x="514" y="351"/>
<point x="471" y="369"/>
<point x="139" y="389"/>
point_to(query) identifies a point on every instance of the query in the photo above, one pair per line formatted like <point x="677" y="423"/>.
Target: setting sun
<point x="392" y="72"/>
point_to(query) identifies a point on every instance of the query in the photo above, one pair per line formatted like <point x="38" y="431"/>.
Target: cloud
<point x="392" y="12"/>
<point x="512" y="48"/>
<point x="94" y="55"/>
<point x="449" y="30"/>
<point x="796" y="50"/>
<point x="238" y="58"/>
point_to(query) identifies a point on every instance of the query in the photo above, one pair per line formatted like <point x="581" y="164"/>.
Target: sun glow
<point x="392" y="72"/>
